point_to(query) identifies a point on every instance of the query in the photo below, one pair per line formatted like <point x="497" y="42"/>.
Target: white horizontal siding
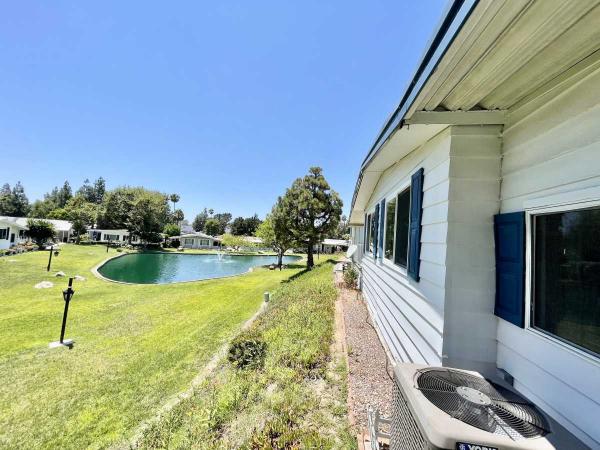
<point x="553" y="149"/>
<point x="473" y="199"/>
<point x="414" y="325"/>
<point x="409" y="315"/>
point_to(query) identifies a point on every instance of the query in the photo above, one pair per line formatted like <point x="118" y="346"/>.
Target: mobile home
<point x="477" y="210"/>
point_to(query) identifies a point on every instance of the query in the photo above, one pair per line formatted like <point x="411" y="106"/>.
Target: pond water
<point x="160" y="268"/>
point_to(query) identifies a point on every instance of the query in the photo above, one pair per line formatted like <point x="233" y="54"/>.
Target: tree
<point x="148" y="215"/>
<point x="174" y="198"/>
<point x="178" y="216"/>
<point x="171" y="230"/>
<point x="274" y="231"/>
<point x="245" y="226"/>
<point x="238" y="226"/>
<point x="63" y="195"/>
<point x="6" y="206"/>
<point x="99" y="190"/>
<point x="223" y="219"/>
<point x="142" y="212"/>
<point x="116" y="207"/>
<point x="235" y="242"/>
<point x="41" y="209"/>
<point x="82" y="214"/>
<point x="40" y="231"/>
<point x="13" y="202"/>
<point x="93" y="193"/>
<point x="200" y="220"/>
<point x="313" y="208"/>
<point x="19" y="200"/>
<point x="252" y="224"/>
<point x="342" y="231"/>
<point x="58" y="213"/>
<point x="212" y="227"/>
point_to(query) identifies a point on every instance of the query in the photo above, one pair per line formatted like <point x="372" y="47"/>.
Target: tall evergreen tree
<point x="14" y="202"/>
<point x="5" y="200"/>
<point x="63" y="195"/>
<point x="314" y="210"/>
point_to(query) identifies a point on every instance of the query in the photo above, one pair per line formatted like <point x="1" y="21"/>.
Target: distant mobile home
<point x="115" y="236"/>
<point x="15" y="230"/>
<point x="477" y="210"/>
<point x="198" y="240"/>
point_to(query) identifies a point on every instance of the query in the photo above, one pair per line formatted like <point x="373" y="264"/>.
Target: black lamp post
<point x="67" y="296"/>
<point x="51" y="250"/>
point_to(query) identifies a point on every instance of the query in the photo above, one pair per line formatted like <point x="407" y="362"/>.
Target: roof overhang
<point x="401" y="142"/>
<point x="488" y="59"/>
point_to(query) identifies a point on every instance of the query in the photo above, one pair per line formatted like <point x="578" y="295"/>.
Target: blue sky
<point x="225" y="103"/>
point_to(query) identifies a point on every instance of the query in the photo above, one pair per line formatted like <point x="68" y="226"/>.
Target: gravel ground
<point x="368" y="382"/>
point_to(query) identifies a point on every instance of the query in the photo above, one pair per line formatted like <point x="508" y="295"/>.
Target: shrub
<point x="247" y="352"/>
<point x="40" y="231"/>
<point x="350" y="277"/>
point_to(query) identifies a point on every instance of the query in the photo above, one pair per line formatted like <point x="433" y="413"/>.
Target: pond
<point x="160" y="268"/>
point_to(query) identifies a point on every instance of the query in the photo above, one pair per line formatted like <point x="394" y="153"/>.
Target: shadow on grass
<point x="306" y="270"/>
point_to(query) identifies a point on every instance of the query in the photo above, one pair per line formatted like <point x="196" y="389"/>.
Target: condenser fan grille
<point x="481" y="403"/>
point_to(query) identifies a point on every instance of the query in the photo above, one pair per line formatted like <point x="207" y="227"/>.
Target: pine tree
<point x="313" y="209"/>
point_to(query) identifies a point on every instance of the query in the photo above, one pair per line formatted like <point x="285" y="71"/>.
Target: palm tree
<point x="174" y="198"/>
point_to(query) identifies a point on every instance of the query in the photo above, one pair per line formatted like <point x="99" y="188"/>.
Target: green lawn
<point x="136" y="346"/>
<point x="294" y="397"/>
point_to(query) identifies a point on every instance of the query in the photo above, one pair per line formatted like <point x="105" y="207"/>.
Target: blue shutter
<point x="381" y="226"/>
<point x="416" y="213"/>
<point x="375" y="226"/>
<point x="509" y="234"/>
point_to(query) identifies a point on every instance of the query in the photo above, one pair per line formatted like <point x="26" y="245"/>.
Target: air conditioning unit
<point x="443" y="408"/>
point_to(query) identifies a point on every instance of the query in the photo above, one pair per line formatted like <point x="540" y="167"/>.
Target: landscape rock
<point x="59" y="274"/>
<point x="79" y="278"/>
<point x="44" y="285"/>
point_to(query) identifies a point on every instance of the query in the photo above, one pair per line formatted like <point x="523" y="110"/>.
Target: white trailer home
<point x="198" y="240"/>
<point x="11" y="232"/>
<point x="477" y="209"/>
<point x="15" y="230"/>
<point x="115" y="236"/>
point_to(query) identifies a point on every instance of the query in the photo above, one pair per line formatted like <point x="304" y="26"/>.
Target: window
<point x="566" y="276"/>
<point x="390" y="226"/>
<point x="402" y="228"/>
<point x="111" y="237"/>
<point x="4" y="233"/>
<point x="21" y="234"/>
<point x="369" y="234"/>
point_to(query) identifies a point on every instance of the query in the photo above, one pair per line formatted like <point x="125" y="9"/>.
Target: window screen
<point x="566" y="289"/>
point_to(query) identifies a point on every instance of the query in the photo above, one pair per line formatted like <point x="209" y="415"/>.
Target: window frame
<point x="393" y="194"/>
<point x="369" y="225"/>
<point x="536" y="208"/>
<point x="385" y="227"/>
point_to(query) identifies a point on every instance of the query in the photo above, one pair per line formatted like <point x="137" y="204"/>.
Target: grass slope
<point x="295" y="400"/>
<point x="136" y="345"/>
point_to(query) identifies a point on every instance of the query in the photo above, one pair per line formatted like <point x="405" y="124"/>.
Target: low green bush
<point x="247" y="352"/>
